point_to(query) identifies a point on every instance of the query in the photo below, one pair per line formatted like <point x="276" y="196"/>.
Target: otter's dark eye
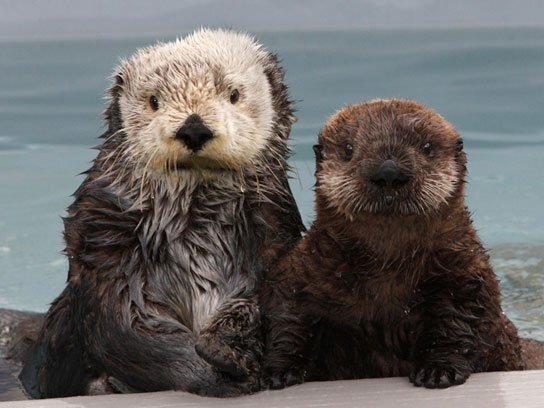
<point x="153" y="102"/>
<point x="426" y="148"/>
<point x="348" y="151"/>
<point x="234" y="96"/>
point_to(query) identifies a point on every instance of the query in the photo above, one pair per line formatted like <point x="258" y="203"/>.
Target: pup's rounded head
<point x="205" y="101"/>
<point x="392" y="157"/>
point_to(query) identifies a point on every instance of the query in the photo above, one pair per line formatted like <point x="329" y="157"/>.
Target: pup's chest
<point x="369" y="292"/>
<point x="389" y="312"/>
<point x="386" y="298"/>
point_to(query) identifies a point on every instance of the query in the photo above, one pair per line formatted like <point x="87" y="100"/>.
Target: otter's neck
<point x="393" y="237"/>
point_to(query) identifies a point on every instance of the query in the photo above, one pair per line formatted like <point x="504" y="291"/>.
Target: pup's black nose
<point x="194" y="133"/>
<point x="390" y="175"/>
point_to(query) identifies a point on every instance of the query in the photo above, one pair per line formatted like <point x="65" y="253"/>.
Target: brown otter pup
<point x="392" y="279"/>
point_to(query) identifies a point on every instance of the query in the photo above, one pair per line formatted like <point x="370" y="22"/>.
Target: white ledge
<point x="521" y="389"/>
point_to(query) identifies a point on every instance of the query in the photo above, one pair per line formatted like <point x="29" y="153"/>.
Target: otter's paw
<point x="218" y="354"/>
<point x="237" y="361"/>
<point x="232" y="342"/>
<point x="281" y="380"/>
<point x="227" y="387"/>
<point x="120" y="387"/>
<point x="438" y="377"/>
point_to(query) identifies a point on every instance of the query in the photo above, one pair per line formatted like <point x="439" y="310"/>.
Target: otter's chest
<point x="390" y="318"/>
<point x="205" y="255"/>
<point x="374" y="297"/>
<point x="368" y="292"/>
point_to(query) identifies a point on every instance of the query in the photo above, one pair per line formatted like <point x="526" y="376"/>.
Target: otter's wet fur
<point x="167" y="240"/>
<point x="391" y="279"/>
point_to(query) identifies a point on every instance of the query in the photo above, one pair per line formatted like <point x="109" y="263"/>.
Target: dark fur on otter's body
<point x="142" y="259"/>
<point x="379" y="286"/>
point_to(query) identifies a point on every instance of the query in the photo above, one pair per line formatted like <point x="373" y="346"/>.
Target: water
<point x="488" y="83"/>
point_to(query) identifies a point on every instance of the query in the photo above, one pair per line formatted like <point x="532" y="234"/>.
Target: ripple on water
<point x="8" y="143"/>
<point x="521" y="271"/>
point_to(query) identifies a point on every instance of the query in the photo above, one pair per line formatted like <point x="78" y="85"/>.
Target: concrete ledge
<point x="520" y="389"/>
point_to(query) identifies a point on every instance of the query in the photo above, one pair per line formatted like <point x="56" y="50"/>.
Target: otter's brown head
<point x="388" y="157"/>
<point x="211" y="101"/>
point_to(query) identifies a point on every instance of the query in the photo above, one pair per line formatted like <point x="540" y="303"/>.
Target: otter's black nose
<point x="390" y="175"/>
<point x="194" y="133"/>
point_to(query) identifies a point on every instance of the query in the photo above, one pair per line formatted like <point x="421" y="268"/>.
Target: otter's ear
<point x="119" y="81"/>
<point x="118" y="84"/>
<point x="113" y="111"/>
<point x="459" y="145"/>
<point x="461" y="156"/>
<point x="283" y="106"/>
<point x="318" y="150"/>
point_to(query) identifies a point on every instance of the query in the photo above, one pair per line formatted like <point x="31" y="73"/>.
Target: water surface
<point x="488" y="83"/>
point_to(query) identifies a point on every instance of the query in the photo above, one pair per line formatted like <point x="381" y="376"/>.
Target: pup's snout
<point x="194" y="133"/>
<point x="389" y="174"/>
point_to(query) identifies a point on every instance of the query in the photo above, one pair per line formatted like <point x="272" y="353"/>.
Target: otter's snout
<point x="389" y="174"/>
<point x="194" y="133"/>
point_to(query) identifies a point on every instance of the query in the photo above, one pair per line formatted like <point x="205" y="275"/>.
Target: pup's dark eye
<point x="426" y="148"/>
<point x="234" y="96"/>
<point x="459" y="145"/>
<point x="153" y="102"/>
<point x="348" y="151"/>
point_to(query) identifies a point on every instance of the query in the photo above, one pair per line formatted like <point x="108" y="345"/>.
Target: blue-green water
<point x="488" y="83"/>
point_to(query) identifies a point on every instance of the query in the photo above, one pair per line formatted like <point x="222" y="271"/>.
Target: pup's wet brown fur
<point x="392" y="279"/>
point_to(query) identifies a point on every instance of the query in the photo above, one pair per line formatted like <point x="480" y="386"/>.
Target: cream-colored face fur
<point x="196" y="75"/>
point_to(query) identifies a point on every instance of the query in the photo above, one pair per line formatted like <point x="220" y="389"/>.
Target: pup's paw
<point x="438" y="377"/>
<point x="278" y="381"/>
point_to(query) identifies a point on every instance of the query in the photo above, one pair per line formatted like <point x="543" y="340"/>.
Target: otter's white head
<point x="202" y="103"/>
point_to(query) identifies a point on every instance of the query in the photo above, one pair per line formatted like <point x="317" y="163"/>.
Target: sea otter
<point x="391" y="279"/>
<point x="184" y="208"/>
